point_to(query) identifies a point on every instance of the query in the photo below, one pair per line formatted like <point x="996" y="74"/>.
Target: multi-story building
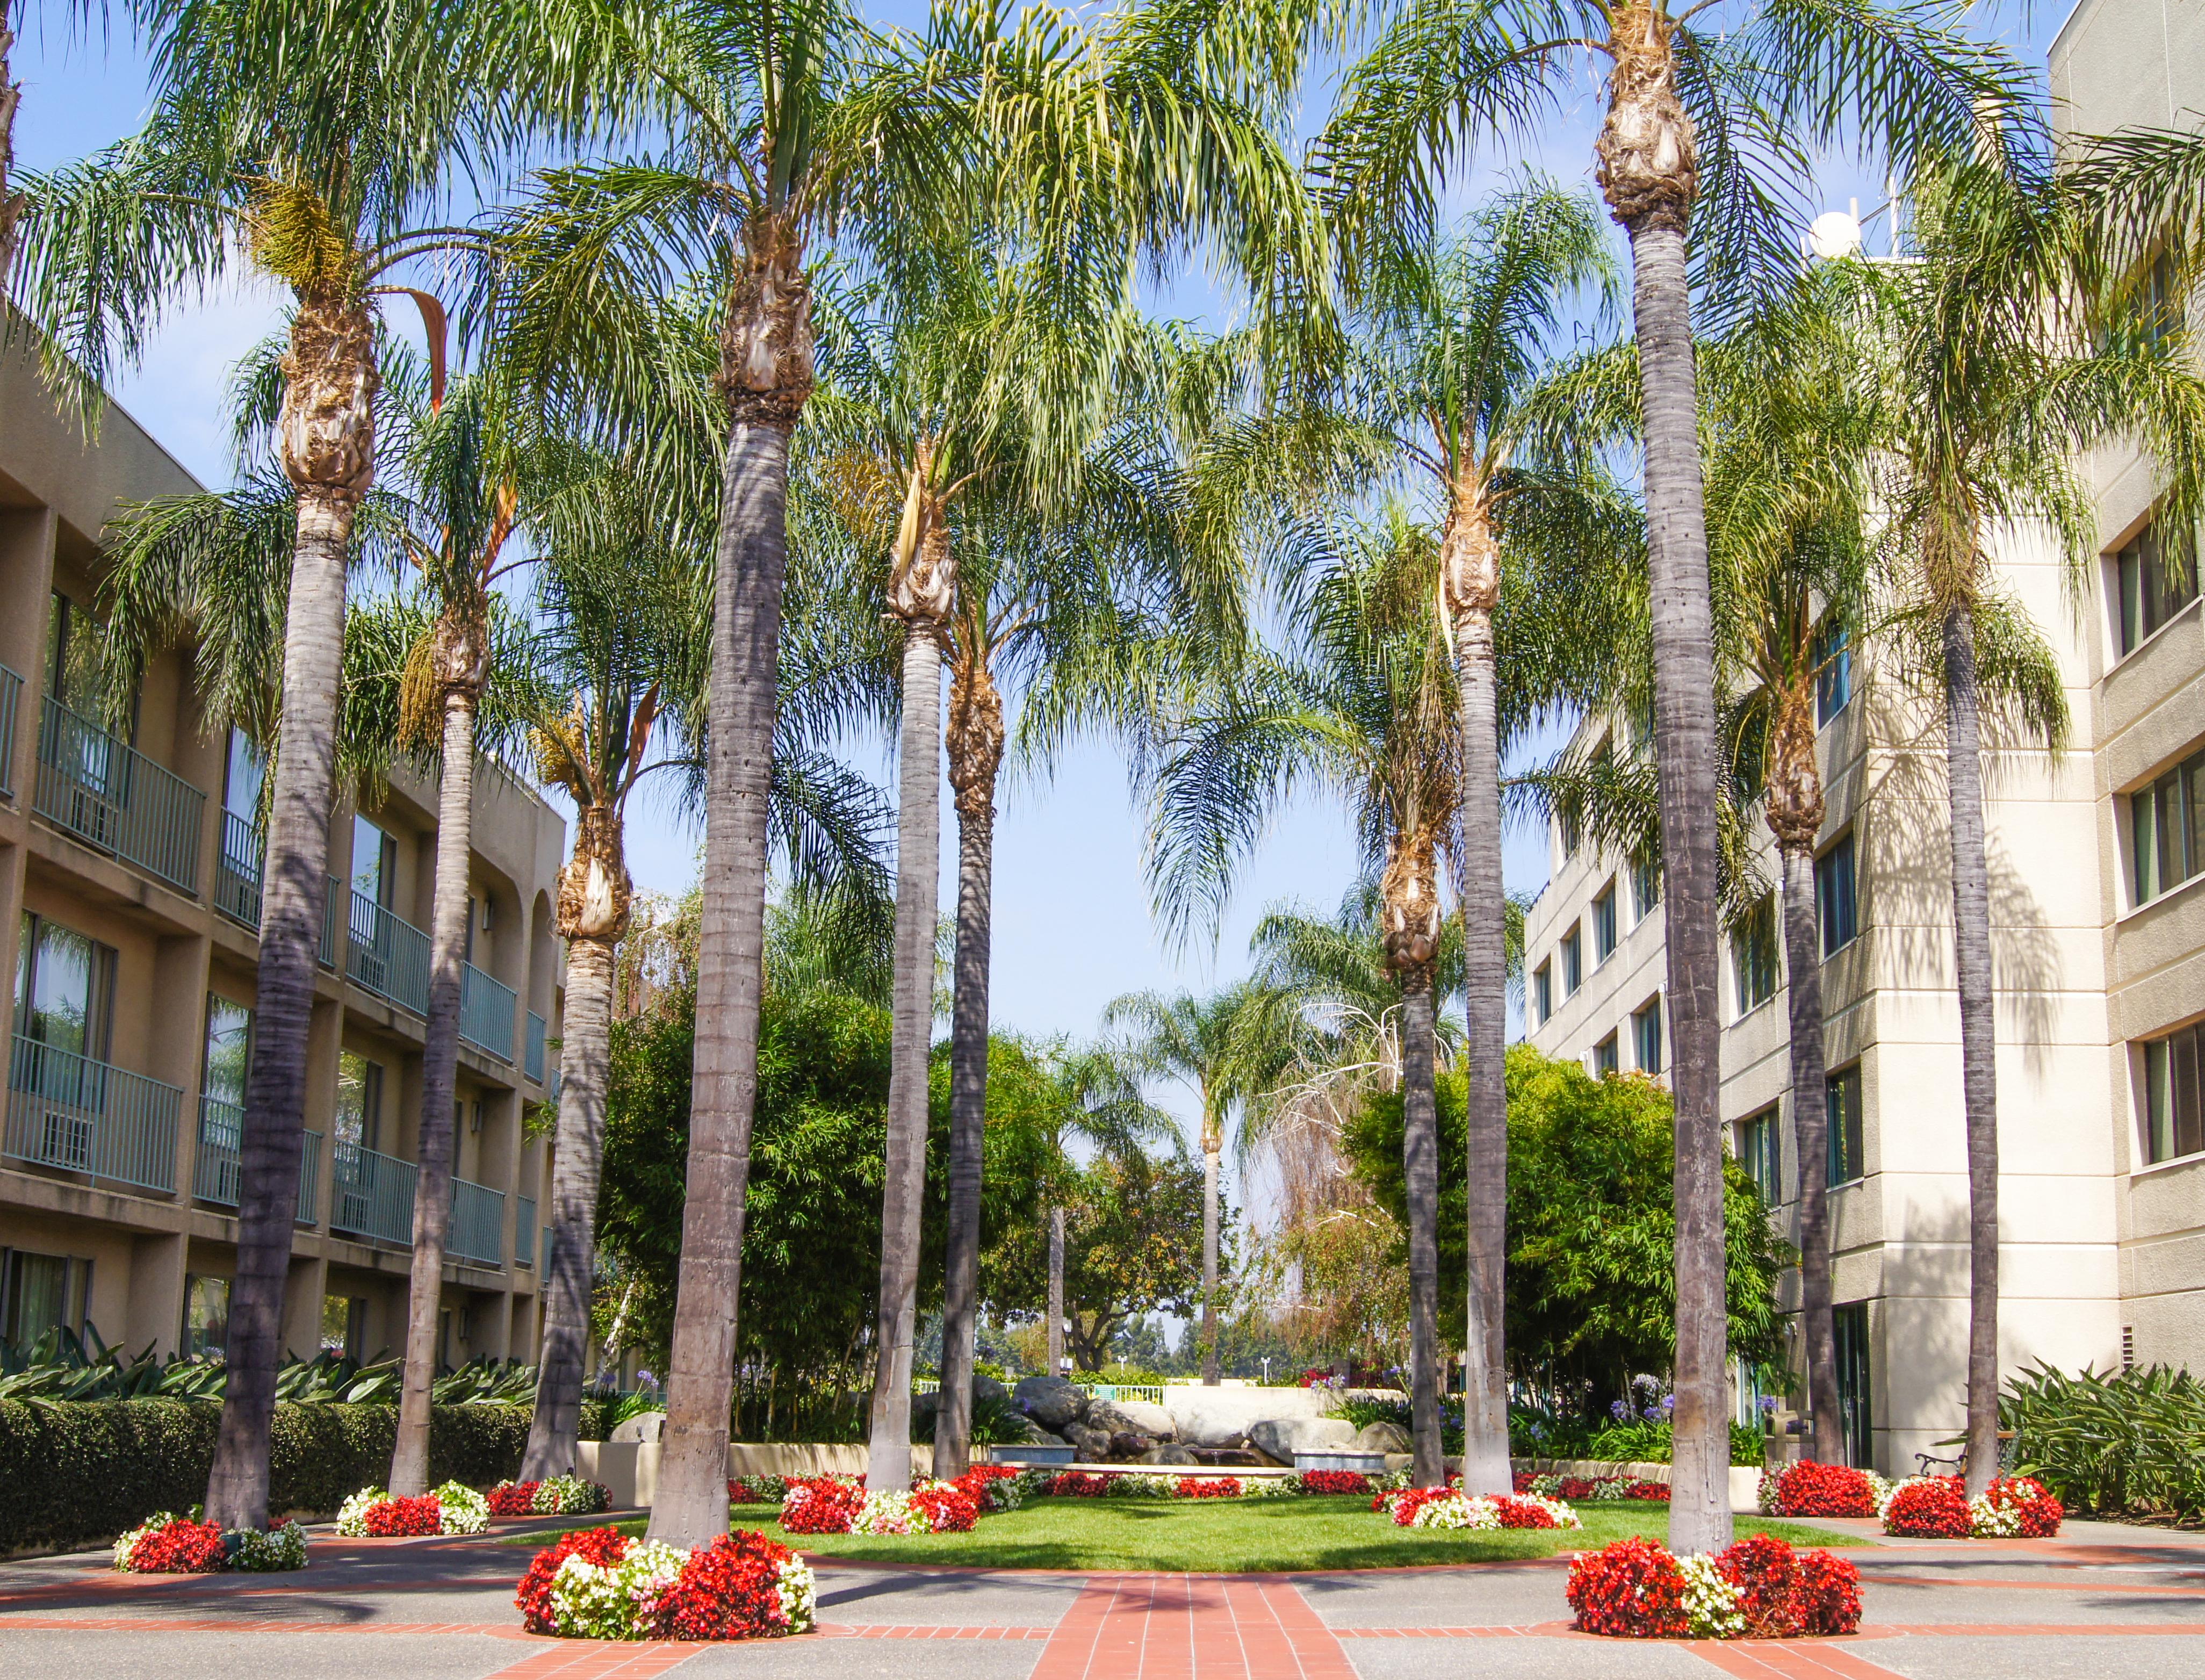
<point x="129" y="904"/>
<point x="2097" y="862"/>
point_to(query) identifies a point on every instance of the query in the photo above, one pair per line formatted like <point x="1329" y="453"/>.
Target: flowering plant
<point x="1928" y="1507"/>
<point x="283" y="1546"/>
<point x="512" y="1499"/>
<point x="597" y="1583"/>
<point x="1334" y="1481"/>
<point x="1504" y="1511"/>
<point x="1209" y="1487"/>
<point x="2016" y="1507"/>
<point x="1758" y="1588"/>
<point x="168" y="1544"/>
<point x="388" y="1519"/>
<point x="997" y="1487"/>
<point x="1077" y="1485"/>
<point x="571" y="1496"/>
<point x="1810" y="1489"/>
<point x="460" y="1509"/>
<point x="820" y="1505"/>
<point x="453" y="1509"/>
<point x="1937" y="1507"/>
<point x="759" y="1490"/>
<point x="946" y="1508"/>
<point x="1271" y="1487"/>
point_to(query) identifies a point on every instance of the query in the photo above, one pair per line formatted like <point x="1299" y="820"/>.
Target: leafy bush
<point x="2126" y="1441"/>
<point x="1539" y="1435"/>
<point x="1928" y="1508"/>
<point x="1810" y="1489"/>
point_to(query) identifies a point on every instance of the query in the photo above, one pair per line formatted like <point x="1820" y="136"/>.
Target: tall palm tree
<point x="1366" y="706"/>
<point x="783" y="121"/>
<point x="318" y="145"/>
<point x="1723" y="97"/>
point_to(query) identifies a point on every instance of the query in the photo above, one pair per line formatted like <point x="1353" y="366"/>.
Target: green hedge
<point x="75" y="1473"/>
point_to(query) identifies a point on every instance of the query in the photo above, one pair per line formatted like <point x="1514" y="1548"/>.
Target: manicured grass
<point x="1233" y="1536"/>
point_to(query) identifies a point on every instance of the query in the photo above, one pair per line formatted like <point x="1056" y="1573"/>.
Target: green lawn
<point x="1230" y="1536"/>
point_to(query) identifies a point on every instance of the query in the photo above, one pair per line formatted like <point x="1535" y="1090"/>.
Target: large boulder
<point x="1220" y="1416"/>
<point x="1383" y="1437"/>
<point x="1124" y="1444"/>
<point x="1280" y="1438"/>
<point x="1149" y="1420"/>
<point x="985" y="1387"/>
<point x="1051" y="1402"/>
<point x="645" y="1426"/>
<point x="1093" y="1445"/>
<point x="1169" y="1455"/>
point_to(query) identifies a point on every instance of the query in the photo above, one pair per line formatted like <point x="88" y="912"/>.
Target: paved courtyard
<point x="2102" y="1600"/>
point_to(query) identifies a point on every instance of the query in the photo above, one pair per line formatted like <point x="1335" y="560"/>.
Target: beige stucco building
<point x="130" y="899"/>
<point x="2098" y="909"/>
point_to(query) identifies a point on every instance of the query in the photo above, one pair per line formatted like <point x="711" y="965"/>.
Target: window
<point x="76" y="660"/>
<point x="40" y="1292"/>
<point x="1572" y="961"/>
<point x="229" y="1050"/>
<point x="1753" y="955"/>
<point x="1833" y="673"/>
<point x="1543" y="994"/>
<point x="1641" y="720"/>
<point x="1759" y="1153"/>
<point x="2157" y="577"/>
<point x="243" y="778"/>
<point x="359" y="1099"/>
<point x="344" y="1325"/>
<point x="1856" y="1417"/>
<point x="1567" y="823"/>
<point x="1646" y="1037"/>
<point x="1604" y="1056"/>
<point x="2174" y="1094"/>
<point x="64" y="991"/>
<point x="1603" y="925"/>
<point x="1844" y="1104"/>
<point x="1833" y="896"/>
<point x="1645" y="888"/>
<point x="2168" y="818"/>
<point x="374" y="862"/>
<point x="207" y="1315"/>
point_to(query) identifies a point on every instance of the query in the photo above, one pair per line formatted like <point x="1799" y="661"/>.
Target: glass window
<point x="1833" y="673"/>
<point x="76" y="657"/>
<point x="243" y="777"/>
<point x="1753" y="955"/>
<point x="1572" y="961"/>
<point x="207" y="1315"/>
<point x="1645" y="888"/>
<point x="1568" y="825"/>
<point x="2174" y="1095"/>
<point x="1843" y="1102"/>
<point x="1758" y="1153"/>
<point x="1833" y="896"/>
<point x="229" y="1050"/>
<point x="359" y="1099"/>
<point x="2157" y="577"/>
<point x="1603" y="925"/>
<point x="1604" y="1060"/>
<point x="2168" y="820"/>
<point x="374" y="856"/>
<point x="344" y="1325"/>
<point x="40" y="1292"/>
<point x="64" y="989"/>
<point x="1543" y="994"/>
<point x="1856" y="1418"/>
<point x="1646" y="1037"/>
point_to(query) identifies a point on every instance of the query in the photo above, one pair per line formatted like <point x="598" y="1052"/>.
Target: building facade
<point x="2097" y="862"/>
<point x="129" y="905"/>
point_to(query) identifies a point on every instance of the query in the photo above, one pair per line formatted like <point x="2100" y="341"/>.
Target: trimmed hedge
<point x="77" y="1472"/>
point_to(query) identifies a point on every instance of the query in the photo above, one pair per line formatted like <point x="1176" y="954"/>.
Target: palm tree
<point x="1697" y="98"/>
<point x="1367" y="708"/>
<point x="783" y="121"/>
<point x="318" y="144"/>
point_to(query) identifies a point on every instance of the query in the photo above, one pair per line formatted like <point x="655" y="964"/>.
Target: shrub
<point x="2016" y="1507"/>
<point x="1077" y="1485"/>
<point x="571" y="1496"/>
<point x="948" y="1508"/>
<point x="1931" y="1507"/>
<point x="284" y="1547"/>
<point x="823" y="1505"/>
<point x="387" y="1519"/>
<point x="172" y="1545"/>
<point x="1335" y="1481"/>
<point x="2119" y="1441"/>
<point x="512" y="1499"/>
<point x="742" y="1586"/>
<point x="1758" y="1588"/>
<point x="1632" y="1589"/>
<point x="757" y="1490"/>
<point x="1209" y="1487"/>
<point x="1810" y="1489"/>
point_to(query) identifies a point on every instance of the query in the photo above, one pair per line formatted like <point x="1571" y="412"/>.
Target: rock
<point x="645" y="1426"/>
<point x="1383" y="1437"/>
<point x="1113" y="1416"/>
<point x="1126" y="1444"/>
<point x="985" y="1387"/>
<point x="1154" y="1422"/>
<point x="1093" y="1445"/>
<point x="1280" y="1438"/>
<point x="1221" y="1416"/>
<point x="1169" y="1455"/>
<point x="1051" y="1402"/>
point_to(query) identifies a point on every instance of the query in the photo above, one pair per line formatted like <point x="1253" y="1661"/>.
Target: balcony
<point x="384" y="953"/>
<point x="531" y="1048"/>
<point x="524" y="1231"/>
<point x="477" y="1223"/>
<point x="115" y="799"/>
<point x="237" y="870"/>
<point x="219" y="1172"/>
<point x="374" y="1195"/>
<point x="486" y="1007"/>
<point x="11" y="701"/>
<point x="83" y="1116"/>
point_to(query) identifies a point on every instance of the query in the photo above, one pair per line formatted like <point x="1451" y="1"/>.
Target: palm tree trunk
<point x="1810" y="1128"/>
<point x="1485" y="1468"/>
<point x="968" y="1116"/>
<point x="440" y="1061"/>
<point x="1054" y="1342"/>
<point x="691" y="1509"/>
<point x="576" y="1166"/>
<point x="1971" y="962"/>
<point x="1211" y="1165"/>
<point x="918" y="891"/>
<point x="11" y="204"/>
<point x="326" y="433"/>
<point x="1420" y="1163"/>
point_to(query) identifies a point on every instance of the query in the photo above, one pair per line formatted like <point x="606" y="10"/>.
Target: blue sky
<point x="1071" y="924"/>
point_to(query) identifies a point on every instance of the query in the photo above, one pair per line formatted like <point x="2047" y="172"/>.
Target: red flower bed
<point x="949" y="1510"/>
<point x="1810" y="1489"/>
<point x="183" y="1547"/>
<point x="1523" y="1480"/>
<point x="1932" y="1510"/>
<point x="1406" y="1503"/>
<point x="730" y="1589"/>
<point x="1337" y="1482"/>
<point x="602" y="1546"/>
<point x="2040" y="1511"/>
<point x="1521" y="1513"/>
<point x="1632" y="1589"/>
<point x="423" y="1514"/>
<point x="1648" y="1490"/>
<point x="1828" y="1594"/>
<point x="820" y="1505"/>
<point x="512" y="1499"/>
<point x="1209" y="1487"/>
<point x="1078" y="1484"/>
<point x="1575" y="1488"/>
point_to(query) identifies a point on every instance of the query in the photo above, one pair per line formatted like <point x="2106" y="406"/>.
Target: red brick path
<point x="1178" y="1627"/>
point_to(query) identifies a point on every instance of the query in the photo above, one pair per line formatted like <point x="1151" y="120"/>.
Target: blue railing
<point x="112" y="797"/>
<point x="237" y="869"/>
<point x="11" y="701"/>
<point x="486" y="1008"/>
<point x="386" y="954"/>
<point x="524" y="1231"/>
<point x="218" y="1171"/>
<point x="69" y="1111"/>
<point x="531" y="1048"/>
<point x="374" y="1194"/>
<point x="477" y="1223"/>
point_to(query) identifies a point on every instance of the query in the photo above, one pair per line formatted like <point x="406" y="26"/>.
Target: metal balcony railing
<point x="524" y="1231"/>
<point x="69" y="1111"/>
<point x="11" y="701"/>
<point x="237" y="869"/>
<point x="477" y="1223"/>
<point x="384" y="953"/>
<point x="218" y="1172"/>
<point x="374" y="1194"/>
<point x="486" y="1007"/>
<point x="531" y="1048"/>
<point x="112" y="797"/>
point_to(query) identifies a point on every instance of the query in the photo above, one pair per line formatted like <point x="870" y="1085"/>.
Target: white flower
<point x="800" y="1597"/>
<point x="282" y="1547"/>
<point x="352" y="1515"/>
<point x="1565" y="1516"/>
<point x="1457" y="1510"/>
<point x="1711" y="1599"/>
<point x="464" y="1511"/>
<point x="889" y="1512"/>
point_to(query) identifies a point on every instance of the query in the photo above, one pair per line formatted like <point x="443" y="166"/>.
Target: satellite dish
<point x="1834" y="234"/>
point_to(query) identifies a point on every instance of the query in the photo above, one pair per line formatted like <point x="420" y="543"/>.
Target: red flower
<point x="730" y="1589"/>
<point x="1522" y="1514"/>
<point x="823" y="1505"/>
<point x="1078" y="1484"/>
<point x="1648" y="1490"/>
<point x="512" y="1499"/>
<point x="601" y="1547"/>
<point x="1522" y="1481"/>
<point x="1574" y="1488"/>
<point x="1335" y="1481"/>
<point x="1209" y="1487"/>
<point x="1932" y="1510"/>
<point x="1828" y="1595"/>
<point x="949" y="1510"/>
<point x="1632" y="1589"/>
<point x="2042" y="1513"/>
<point x="1767" y="1573"/>
<point x="1406" y="1503"/>
<point x="423" y="1514"/>
<point x="1810" y="1489"/>
<point x="183" y="1547"/>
